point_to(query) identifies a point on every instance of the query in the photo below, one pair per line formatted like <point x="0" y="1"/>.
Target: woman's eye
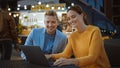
<point x="73" y="16"/>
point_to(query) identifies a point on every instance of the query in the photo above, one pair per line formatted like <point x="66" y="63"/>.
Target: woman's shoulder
<point x="92" y="28"/>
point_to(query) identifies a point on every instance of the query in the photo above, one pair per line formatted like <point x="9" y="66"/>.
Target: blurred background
<point x="105" y="14"/>
<point x="29" y="14"/>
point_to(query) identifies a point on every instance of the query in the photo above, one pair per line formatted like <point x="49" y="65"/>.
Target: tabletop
<point x="24" y="64"/>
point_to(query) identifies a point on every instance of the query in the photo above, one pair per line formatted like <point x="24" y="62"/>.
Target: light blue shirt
<point x="48" y="45"/>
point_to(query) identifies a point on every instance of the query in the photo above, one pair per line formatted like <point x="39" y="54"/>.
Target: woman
<point x="85" y="44"/>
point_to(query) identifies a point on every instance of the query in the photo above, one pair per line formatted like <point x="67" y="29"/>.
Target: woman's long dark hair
<point x="79" y="10"/>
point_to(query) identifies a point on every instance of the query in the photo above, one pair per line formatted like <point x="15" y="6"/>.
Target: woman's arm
<point x="94" y="49"/>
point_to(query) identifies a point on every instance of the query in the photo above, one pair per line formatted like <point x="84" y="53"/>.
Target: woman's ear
<point x="82" y="14"/>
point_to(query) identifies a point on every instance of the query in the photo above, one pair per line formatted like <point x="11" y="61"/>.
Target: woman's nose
<point x="70" y="21"/>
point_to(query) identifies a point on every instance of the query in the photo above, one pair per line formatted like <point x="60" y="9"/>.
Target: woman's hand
<point x="64" y="61"/>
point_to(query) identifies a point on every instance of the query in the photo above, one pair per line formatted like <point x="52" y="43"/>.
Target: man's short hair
<point x="51" y="13"/>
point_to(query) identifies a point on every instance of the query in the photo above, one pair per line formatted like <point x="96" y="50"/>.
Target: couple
<point x="85" y="43"/>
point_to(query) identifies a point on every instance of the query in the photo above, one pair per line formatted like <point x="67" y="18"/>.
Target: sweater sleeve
<point x="66" y="53"/>
<point x="94" y="49"/>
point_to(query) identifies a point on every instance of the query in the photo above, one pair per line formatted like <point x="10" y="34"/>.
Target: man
<point x="8" y="33"/>
<point x="49" y="38"/>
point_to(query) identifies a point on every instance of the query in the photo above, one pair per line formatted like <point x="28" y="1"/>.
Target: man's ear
<point x="57" y="23"/>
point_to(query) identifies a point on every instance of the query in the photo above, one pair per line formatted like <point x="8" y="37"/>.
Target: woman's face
<point x="74" y="18"/>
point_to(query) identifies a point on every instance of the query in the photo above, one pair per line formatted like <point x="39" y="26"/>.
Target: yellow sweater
<point x="87" y="47"/>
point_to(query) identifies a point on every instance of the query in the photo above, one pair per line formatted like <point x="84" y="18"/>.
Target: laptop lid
<point x="34" y="55"/>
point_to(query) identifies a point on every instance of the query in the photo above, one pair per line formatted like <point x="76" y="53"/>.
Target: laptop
<point x="35" y="55"/>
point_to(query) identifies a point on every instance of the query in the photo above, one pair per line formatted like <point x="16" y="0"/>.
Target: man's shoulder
<point x="37" y="31"/>
<point x="59" y="33"/>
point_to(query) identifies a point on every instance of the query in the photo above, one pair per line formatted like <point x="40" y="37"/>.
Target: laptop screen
<point x="34" y="55"/>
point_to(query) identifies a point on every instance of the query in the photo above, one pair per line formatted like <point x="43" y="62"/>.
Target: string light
<point x="10" y="14"/>
<point x="63" y="8"/>
<point x="39" y="3"/>
<point x="72" y="4"/>
<point x="58" y="8"/>
<point x="17" y="15"/>
<point x="20" y="17"/>
<point x="18" y="8"/>
<point x="52" y="8"/>
<point x="47" y="5"/>
<point x="19" y="5"/>
<point x="25" y="7"/>
<point x="9" y="9"/>
<point x="68" y="7"/>
<point x="33" y="6"/>
<point x="14" y="15"/>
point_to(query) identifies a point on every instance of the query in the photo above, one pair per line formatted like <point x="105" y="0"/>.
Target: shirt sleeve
<point x="29" y="40"/>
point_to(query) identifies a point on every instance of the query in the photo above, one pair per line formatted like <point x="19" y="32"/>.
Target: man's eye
<point x="47" y="21"/>
<point x="53" y="22"/>
<point x="68" y="19"/>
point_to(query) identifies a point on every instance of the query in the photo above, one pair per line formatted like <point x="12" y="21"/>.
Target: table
<point x="17" y="64"/>
<point x="24" y="64"/>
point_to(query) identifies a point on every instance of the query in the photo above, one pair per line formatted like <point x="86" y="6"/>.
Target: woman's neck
<point x="82" y="28"/>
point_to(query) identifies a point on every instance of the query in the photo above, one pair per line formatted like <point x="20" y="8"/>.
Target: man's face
<point x="50" y="24"/>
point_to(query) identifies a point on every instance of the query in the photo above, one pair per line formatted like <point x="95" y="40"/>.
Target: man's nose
<point x="50" y="24"/>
